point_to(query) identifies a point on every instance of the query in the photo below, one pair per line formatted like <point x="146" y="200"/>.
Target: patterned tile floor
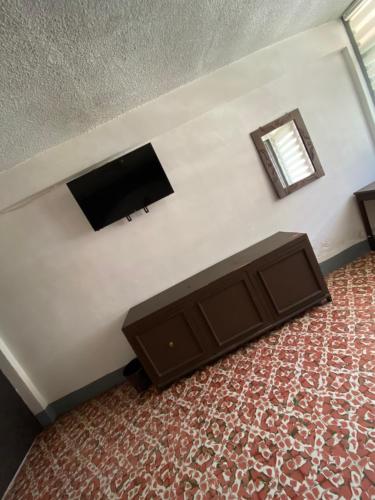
<point x="289" y="416"/>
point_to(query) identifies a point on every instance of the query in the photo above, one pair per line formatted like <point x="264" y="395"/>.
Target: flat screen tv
<point x="121" y="187"/>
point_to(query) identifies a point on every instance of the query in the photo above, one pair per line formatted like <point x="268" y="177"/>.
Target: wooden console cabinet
<point x="224" y="306"/>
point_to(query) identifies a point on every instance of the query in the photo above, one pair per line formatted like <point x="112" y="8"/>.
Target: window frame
<point x="268" y="164"/>
<point x="346" y="23"/>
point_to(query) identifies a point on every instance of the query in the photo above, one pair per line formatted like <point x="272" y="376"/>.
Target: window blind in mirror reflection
<point x="288" y="153"/>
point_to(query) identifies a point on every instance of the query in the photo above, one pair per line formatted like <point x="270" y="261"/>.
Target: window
<point x="359" y="20"/>
<point x="287" y="153"/>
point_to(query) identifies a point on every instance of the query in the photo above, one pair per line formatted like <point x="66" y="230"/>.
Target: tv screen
<point x="121" y="187"/>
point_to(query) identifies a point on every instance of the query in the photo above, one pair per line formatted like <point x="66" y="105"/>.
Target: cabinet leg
<point x="366" y="223"/>
<point x="327" y="299"/>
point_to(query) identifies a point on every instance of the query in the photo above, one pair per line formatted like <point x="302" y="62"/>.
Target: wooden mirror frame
<point x="257" y="135"/>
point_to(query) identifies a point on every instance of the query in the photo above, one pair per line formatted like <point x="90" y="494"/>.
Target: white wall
<point x="65" y="289"/>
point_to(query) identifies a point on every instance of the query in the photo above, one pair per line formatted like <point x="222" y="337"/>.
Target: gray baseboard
<point x="110" y="380"/>
<point x="47" y="416"/>
<point x="70" y="401"/>
<point x="344" y="257"/>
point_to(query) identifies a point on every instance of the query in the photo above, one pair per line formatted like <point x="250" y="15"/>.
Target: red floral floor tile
<point x="291" y="415"/>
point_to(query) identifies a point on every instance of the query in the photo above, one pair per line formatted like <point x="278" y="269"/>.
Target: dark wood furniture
<point x="224" y="306"/>
<point x="268" y="162"/>
<point x="364" y="194"/>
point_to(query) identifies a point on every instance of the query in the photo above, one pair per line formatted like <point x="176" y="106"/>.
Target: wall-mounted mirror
<point x="287" y="153"/>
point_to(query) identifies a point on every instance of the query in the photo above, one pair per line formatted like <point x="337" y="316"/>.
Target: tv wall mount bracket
<point x="144" y="208"/>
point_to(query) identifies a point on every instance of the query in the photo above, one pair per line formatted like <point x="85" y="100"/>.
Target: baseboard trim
<point x="345" y="257"/>
<point x="47" y="416"/>
<point x="70" y="401"/>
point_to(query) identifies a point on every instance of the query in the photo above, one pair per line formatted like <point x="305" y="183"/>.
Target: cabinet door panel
<point x="231" y="309"/>
<point x="290" y="280"/>
<point x="170" y="346"/>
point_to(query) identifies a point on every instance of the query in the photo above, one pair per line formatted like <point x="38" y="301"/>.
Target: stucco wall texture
<point x="67" y="67"/>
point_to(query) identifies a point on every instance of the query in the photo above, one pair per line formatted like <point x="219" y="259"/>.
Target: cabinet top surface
<point x="207" y="276"/>
<point x="369" y="189"/>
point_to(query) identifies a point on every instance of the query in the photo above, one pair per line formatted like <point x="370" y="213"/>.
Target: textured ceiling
<point x="67" y="66"/>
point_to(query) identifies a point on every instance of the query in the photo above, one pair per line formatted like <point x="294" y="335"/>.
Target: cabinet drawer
<point x="169" y="347"/>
